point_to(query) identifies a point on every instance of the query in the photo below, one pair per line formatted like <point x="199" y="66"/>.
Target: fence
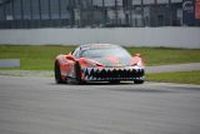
<point x="92" y="13"/>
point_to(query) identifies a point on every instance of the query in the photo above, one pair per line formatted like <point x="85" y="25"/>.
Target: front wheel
<point x="76" y="79"/>
<point x="58" y="77"/>
<point x="114" y="82"/>
<point x="138" y="81"/>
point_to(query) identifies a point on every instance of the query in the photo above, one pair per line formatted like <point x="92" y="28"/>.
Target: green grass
<point x="42" y="57"/>
<point x="164" y="56"/>
<point x="34" y="57"/>
<point x="192" y="77"/>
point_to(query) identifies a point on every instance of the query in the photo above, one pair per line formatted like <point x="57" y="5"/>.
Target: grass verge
<point x="42" y="57"/>
<point x="165" y="56"/>
<point x="34" y="57"/>
<point x="192" y="77"/>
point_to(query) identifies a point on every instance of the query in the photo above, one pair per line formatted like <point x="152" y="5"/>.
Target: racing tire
<point x="114" y="82"/>
<point x="58" y="77"/>
<point x="138" y="81"/>
<point x="77" y="75"/>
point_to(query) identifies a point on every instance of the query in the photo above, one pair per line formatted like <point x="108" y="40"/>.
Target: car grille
<point x="112" y="73"/>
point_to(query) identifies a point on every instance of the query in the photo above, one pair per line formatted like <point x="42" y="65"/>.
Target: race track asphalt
<point x="39" y="106"/>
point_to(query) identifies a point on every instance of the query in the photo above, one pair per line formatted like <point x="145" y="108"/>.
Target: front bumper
<point x="111" y="74"/>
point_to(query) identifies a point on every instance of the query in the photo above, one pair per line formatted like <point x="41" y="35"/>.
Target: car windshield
<point x="105" y="52"/>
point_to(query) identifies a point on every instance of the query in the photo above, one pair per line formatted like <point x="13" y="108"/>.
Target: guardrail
<point x="9" y="62"/>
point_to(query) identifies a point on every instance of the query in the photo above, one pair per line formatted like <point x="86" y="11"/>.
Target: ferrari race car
<point x="99" y="62"/>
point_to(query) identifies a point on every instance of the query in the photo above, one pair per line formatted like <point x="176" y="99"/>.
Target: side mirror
<point x="137" y="59"/>
<point x="70" y="57"/>
<point x="137" y="55"/>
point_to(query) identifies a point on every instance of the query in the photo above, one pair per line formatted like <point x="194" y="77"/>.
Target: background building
<point x="98" y="13"/>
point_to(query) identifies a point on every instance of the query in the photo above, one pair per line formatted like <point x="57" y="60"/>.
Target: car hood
<point x="114" y="61"/>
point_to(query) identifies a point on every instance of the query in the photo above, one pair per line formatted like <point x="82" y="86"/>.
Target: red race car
<point x="99" y="62"/>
